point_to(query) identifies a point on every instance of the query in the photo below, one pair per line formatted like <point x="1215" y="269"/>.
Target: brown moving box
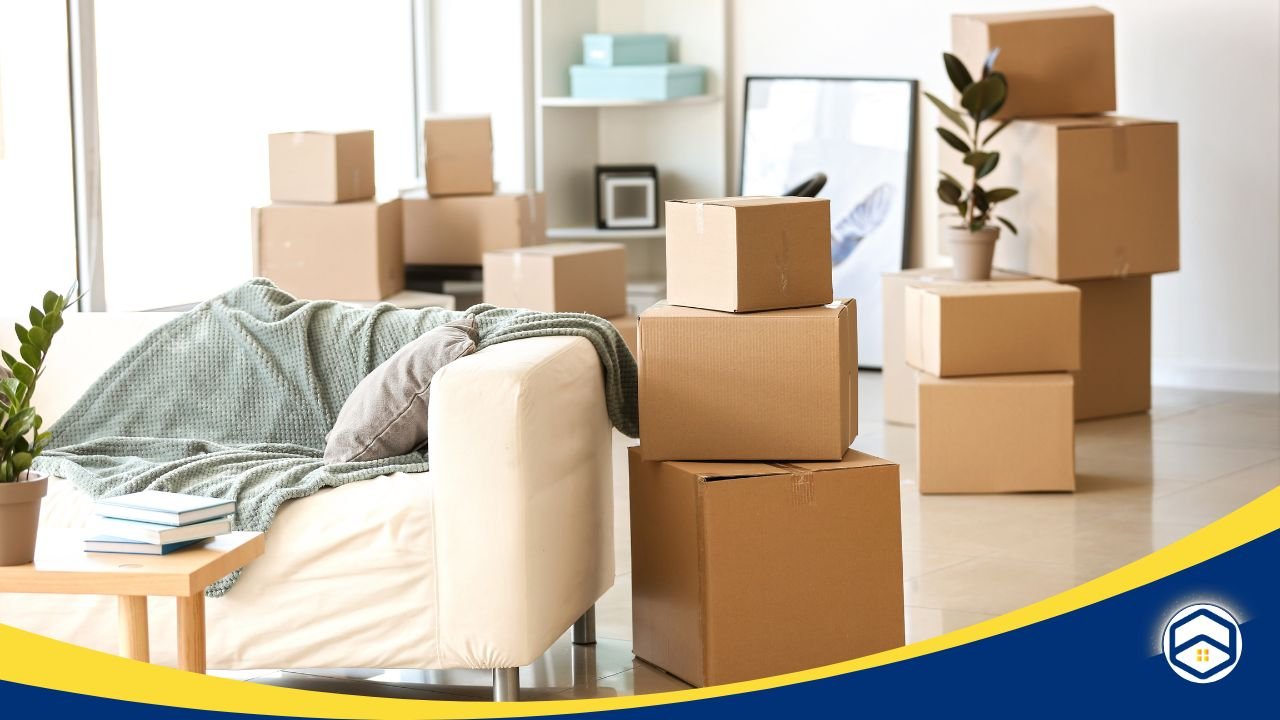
<point x="897" y="377"/>
<point x="347" y="251"/>
<point x="1098" y="196"/>
<point x="321" y="167"/>
<point x="460" y="230"/>
<point x="1058" y="62"/>
<point x="747" y="570"/>
<point x="459" y="155"/>
<point x="560" y="277"/>
<point x="1115" y="347"/>
<point x="993" y="328"/>
<point x="777" y="385"/>
<point x="749" y="253"/>
<point x="996" y="433"/>
<point x="626" y="325"/>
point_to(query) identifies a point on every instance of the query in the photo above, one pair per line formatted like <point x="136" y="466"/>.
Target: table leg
<point x="134" y="641"/>
<point x="191" y="652"/>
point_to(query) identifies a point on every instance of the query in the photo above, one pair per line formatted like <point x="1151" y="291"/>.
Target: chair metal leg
<point x="584" y="628"/>
<point x="506" y="684"/>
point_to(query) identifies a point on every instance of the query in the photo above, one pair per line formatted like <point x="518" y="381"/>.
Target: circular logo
<point x="1202" y="643"/>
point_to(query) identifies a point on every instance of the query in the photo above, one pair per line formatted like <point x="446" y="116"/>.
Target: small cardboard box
<point x="993" y="328"/>
<point x="321" y="167"/>
<point x="750" y="253"/>
<point x="1098" y="196"/>
<point x="346" y="251"/>
<point x="897" y="377"/>
<point x="746" y="570"/>
<point x="996" y="433"/>
<point x="1115" y="347"/>
<point x="778" y="385"/>
<point x="560" y="277"/>
<point x="626" y="325"/>
<point x="460" y="230"/>
<point x="459" y="151"/>
<point x="1058" y="62"/>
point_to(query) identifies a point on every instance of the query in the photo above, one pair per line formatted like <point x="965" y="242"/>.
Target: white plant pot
<point x="972" y="252"/>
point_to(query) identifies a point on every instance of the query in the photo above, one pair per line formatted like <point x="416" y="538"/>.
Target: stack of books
<point x="153" y="522"/>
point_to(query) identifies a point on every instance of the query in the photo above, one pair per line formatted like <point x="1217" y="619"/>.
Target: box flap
<point x="1095" y="121"/>
<point x="727" y="470"/>
<point x="565" y="248"/>
<point x="1054" y="378"/>
<point x="1036" y="15"/>
<point x="987" y="289"/>
<point x="748" y="201"/>
<point x="666" y="310"/>
<point x="851" y="459"/>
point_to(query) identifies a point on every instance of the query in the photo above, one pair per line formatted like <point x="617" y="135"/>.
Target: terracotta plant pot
<point x="20" y="516"/>
<point x="971" y="252"/>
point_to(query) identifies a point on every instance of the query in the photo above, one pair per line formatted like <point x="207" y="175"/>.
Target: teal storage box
<point x="608" y="50"/>
<point x="637" y="82"/>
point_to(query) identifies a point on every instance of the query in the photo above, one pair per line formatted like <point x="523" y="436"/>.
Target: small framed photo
<point x="626" y="197"/>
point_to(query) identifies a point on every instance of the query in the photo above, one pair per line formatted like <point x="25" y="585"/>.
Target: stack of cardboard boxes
<point x="324" y="235"/>
<point x="760" y="543"/>
<point x="1098" y="201"/>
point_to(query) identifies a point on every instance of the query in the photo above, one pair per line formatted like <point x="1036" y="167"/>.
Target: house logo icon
<point x="1202" y="643"/>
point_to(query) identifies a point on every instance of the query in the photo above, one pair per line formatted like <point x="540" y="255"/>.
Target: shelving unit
<point x="685" y="138"/>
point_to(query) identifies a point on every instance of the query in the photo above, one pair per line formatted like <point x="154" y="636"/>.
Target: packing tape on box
<point x="802" y="492"/>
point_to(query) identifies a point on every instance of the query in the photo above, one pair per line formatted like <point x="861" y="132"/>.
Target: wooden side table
<point x="62" y="566"/>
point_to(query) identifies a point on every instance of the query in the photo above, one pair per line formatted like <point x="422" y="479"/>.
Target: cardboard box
<point x="459" y="155"/>
<point x="897" y="378"/>
<point x="1058" y="62"/>
<point x="627" y="328"/>
<point x="560" y="277"/>
<point x="1115" y="348"/>
<point x="346" y="251"/>
<point x="996" y="433"/>
<point x="460" y="230"/>
<point x="1098" y="196"/>
<point x="746" y="570"/>
<point x="993" y="328"/>
<point x="778" y="385"/>
<point x="750" y="253"/>
<point x="321" y="167"/>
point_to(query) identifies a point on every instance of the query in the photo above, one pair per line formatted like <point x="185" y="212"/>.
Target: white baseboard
<point x="1258" y="379"/>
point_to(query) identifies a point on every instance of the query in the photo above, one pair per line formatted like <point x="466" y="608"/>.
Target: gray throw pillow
<point x="386" y="415"/>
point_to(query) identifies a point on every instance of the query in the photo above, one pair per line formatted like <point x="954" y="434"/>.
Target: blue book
<point x="111" y="544"/>
<point x="163" y="508"/>
<point x="154" y="534"/>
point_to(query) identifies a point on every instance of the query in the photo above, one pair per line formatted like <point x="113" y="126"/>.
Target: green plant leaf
<point x="996" y="131"/>
<point x="36" y="317"/>
<point x="949" y="192"/>
<point x="989" y="64"/>
<point x="53" y="323"/>
<point x="980" y="199"/>
<point x="20" y="422"/>
<point x="8" y="359"/>
<point x="1004" y="91"/>
<point x="6" y="471"/>
<point x="50" y="301"/>
<point x="948" y="112"/>
<point x="1000" y="194"/>
<point x="976" y="158"/>
<point x="953" y="140"/>
<point x="21" y="461"/>
<point x="40" y="338"/>
<point x="959" y="74"/>
<point x="11" y="387"/>
<point x="30" y="354"/>
<point x="988" y="165"/>
<point x="25" y="374"/>
<point x="21" y="332"/>
<point x="950" y="177"/>
<point x="984" y="97"/>
<point x="1007" y="224"/>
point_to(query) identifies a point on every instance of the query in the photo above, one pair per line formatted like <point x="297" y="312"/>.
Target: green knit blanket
<point x="233" y="399"/>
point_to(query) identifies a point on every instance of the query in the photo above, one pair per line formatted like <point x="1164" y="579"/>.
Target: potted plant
<point x="21" y="437"/>
<point x="973" y="239"/>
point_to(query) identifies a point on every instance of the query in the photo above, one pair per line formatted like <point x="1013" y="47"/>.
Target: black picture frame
<point x="649" y="170"/>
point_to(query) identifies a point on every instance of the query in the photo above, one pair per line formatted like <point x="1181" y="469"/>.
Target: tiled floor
<point x="1144" y="481"/>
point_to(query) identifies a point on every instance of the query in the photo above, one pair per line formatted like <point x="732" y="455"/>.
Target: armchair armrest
<point x="520" y="450"/>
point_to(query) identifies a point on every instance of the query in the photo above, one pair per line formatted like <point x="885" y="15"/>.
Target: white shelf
<point x="573" y="102"/>
<point x="591" y="233"/>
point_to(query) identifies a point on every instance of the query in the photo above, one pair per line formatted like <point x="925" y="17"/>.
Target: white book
<point x="158" y="534"/>
<point x="163" y="508"/>
<point x="109" y="544"/>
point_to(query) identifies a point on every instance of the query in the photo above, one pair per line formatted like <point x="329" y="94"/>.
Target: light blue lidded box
<point x="610" y="49"/>
<point x="637" y="82"/>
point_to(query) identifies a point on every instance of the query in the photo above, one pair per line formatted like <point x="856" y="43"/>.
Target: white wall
<point x="1213" y="67"/>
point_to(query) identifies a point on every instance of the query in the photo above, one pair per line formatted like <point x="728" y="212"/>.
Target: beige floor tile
<point x="1205" y="502"/>
<point x="990" y="586"/>
<point x="925" y="623"/>
<point x="613" y="611"/>
<point x="1221" y="425"/>
<point x="918" y="562"/>
<point x="642" y="679"/>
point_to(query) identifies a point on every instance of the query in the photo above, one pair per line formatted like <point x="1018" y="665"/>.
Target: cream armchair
<point x="483" y="562"/>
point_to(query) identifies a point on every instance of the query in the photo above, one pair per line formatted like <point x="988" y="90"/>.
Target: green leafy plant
<point x="21" y="439"/>
<point x="980" y="100"/>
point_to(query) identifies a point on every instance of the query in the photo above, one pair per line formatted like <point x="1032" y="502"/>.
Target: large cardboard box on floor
<point x="1115" y="347"/>
<point x="460" y="230"/>
<point x="746" y="570"/>
<point x="345" y="251"/>
<point x="1098" y="196"/>
<point x="898" y="378"/>
<point x="1058" y="62"/>
<point x="993" y="328"/>
<point x="776" y="385"/>
<point x="749" y="253"/>
<point x="996" y="434"/>
<point x="321" y="167"/>
<point x="559" y="277"/>
<point x="459" y="151"/>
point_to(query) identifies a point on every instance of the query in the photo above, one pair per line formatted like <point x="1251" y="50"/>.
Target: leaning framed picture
<point x="851" y="140"/>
